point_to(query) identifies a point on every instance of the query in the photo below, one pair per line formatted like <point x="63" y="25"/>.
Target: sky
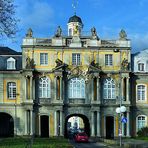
<point x="107" y="16"/>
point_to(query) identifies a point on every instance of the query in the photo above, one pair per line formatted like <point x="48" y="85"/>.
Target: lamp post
<point x="120" y="110"/>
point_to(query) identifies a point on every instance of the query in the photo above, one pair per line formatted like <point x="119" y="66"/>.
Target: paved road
<point x="90" y="144"/>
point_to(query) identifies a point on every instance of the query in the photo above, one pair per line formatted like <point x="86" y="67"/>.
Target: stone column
<point x="122" y="127"/>
<point x="55" y="123"/>
<point x="92" y="124"/>
<point x="30" y="87"/>
<point x="49" y="124"/>
<point x="39" y="125"/>
<point x="128" y="126"/>
<point x="98" y="124"/>
<point x="55" y="85"/>
<point x="92" y="89"/>
<point x="127" y="89"/>
<point x="98" y="90"/>
<point x="61" y="88"/>
<point x="122" y="81"/>
<point x="26" y="123"/>
<point x="31" y="122"/>
<point x="61" y="123"/>
<point x="26" y="88"/>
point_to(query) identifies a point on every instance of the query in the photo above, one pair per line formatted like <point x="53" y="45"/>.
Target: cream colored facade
<point x="102" y="68"/>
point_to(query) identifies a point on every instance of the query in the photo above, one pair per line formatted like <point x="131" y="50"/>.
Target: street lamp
<point x="120" y="110"/>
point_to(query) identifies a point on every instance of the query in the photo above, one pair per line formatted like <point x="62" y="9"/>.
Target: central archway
<point x="6" y="125"/>
<point x="85" y="121"/>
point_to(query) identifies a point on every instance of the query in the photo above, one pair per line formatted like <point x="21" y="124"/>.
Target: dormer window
<point x="11" y="63"/>
<point x="140" y="66"/>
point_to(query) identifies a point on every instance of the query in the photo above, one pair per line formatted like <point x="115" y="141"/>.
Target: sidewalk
<point x="126" y="143"/>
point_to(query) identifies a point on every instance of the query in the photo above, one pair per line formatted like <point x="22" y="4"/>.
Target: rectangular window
<point x="141" y="67"/>
<point x="10" y="65"/>
<point x="11" y="90"/>
<point x="108" y="59"/>
<point x="43" y="58"/>
<point x="76" y="59"/>
<point x="141" y="92"/>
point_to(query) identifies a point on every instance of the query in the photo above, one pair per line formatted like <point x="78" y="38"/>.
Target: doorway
<point x="109" y="127"/>
<point x="44" y="126"/>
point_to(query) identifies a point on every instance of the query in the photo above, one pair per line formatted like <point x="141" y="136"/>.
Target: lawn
<point x="142" y="138"/>
<point x="37" y="143"/>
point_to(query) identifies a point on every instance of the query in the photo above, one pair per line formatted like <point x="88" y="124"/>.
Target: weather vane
<point x="74" y="5"/>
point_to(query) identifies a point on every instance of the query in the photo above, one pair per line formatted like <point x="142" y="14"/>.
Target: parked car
<point x="81" y="137"/>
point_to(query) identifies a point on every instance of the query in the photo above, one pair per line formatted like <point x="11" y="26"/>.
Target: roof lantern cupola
<point x="75" y="24"/>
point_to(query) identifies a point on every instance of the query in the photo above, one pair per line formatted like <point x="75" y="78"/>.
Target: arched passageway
<point x="84" y="119"/>
<point x="44" y="126"/>
<point x="6" y="125"/>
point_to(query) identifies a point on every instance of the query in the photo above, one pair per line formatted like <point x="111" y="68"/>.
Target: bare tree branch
<point x="8" y="21"/>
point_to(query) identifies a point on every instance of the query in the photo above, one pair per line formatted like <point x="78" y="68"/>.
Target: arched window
<point x="141" y="92"/>
<point x="141" y="122"/>
<point x="11" y="90"/>
<point x="11" y="63"/>
<point x="44" y="88"/>
<point x="109" y="89"/>
<point x="76" y="88"/>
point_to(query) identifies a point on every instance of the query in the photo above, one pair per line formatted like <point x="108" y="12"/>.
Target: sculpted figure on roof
<point x="29" y="33"/>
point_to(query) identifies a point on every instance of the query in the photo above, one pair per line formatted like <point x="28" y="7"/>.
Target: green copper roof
<point x="75" y="19"/>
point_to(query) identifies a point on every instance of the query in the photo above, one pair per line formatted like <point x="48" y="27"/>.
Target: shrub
<point x="143" y="132"/>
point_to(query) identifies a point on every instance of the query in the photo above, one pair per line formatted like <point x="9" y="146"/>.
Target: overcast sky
<point x="108" y="16"/>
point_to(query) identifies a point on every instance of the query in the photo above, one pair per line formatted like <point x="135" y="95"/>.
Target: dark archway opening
<point x="85" y="121"/>
<point x="109" y="127"/>
<point x="44" y="126"/>
<point x="6" y="125"/>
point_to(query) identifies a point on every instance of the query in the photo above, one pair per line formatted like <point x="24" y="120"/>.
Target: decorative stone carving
<point x="94" y="33"/>
<point x="76" y="30"/>
<point x="122" y="35"/>
<point x="29" y="33"/>
<point x="96" y="65"/>
<point x="58" y="62"/>
<point x="58" y="32"/>
<point x="125" y="64"/>
<point x="29" y="63"/>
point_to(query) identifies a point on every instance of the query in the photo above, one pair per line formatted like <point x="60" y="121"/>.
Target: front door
<point x="109" y="127"/>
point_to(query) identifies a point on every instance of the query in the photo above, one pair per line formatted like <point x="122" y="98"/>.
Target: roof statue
<point x="94" y="32"/>
<point x="125" y="64"/>
<point x="29" y="63"/>
<point x="29" y="33"/>
<point x="58" y="32"/>
<point x="76" y="30"/>
<point x="122" y="35"/>
<point x="58" y="62"/>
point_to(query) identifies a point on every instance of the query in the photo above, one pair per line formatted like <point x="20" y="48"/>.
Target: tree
<point x="8" y="21"/>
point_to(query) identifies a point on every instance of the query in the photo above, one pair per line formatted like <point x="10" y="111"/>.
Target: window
<point x="76" y="59"/>
<point x="141" y="92"/>
<point x="70" y="32"/>
<point x="43" y="58"/>
<point x="141" y="122"/>
<point x="109" y="89"/>
<point x="108" y="60"/>
<point x="140" y="66"/>
<point x="44" y="88"/>
<point x="11" y="63"/>
<point x="76" y="88"/>
<point x="11" y="90"/>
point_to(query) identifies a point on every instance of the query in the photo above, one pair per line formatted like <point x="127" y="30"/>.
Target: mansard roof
<point x="5" y="54"/>
<point x="8" y="51"/>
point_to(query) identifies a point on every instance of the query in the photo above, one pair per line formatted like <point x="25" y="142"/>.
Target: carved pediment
<point x="94" y="66"/>
<point x="59" y="65"/>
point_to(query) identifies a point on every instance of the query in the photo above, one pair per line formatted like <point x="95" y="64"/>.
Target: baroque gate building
<point x="70" y="75"/>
